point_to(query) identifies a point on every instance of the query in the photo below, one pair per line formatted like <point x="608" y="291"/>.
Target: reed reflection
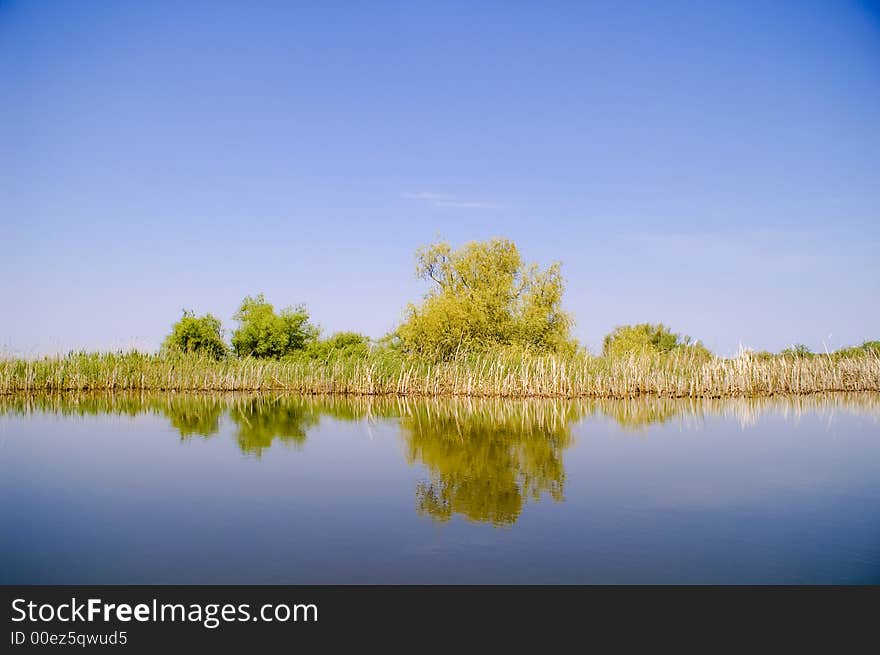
<point x="201" y="414"/>
<point x="484" y="459"/>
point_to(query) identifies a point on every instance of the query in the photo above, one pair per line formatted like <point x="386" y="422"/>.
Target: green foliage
<point x="197" y="334"/>
<point x="797" y="350"/>
<point x="867" y="348"/>
<point x="485" y="297"/>
<point x="196" y="414"/>
<point x="643" y="337"/>
<point x="390" y="344"/>
<point x="261" y="421"/>
<point x="342" y="345"/>
<point x="872" y="347"/>
<point x="264" y="333"/>
<point x="485" y="465"/>
<point x="695" y="350"/>
<point x="649" y="338"/>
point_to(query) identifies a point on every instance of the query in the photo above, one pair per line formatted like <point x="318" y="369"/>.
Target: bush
<point x="484" y="297"/>
<point x="867" y="348"/>
<point x="197" y="334"/>
<point x="695" y="351"/>
<point x="871" y="347"/>
<point x="342" y="345"/>
<point x="263" y="333"/>
<point x="797" y="350"/>
<point x="650" y="338"/>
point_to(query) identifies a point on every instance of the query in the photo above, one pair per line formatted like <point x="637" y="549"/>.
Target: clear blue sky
<point x="715" y="166"/>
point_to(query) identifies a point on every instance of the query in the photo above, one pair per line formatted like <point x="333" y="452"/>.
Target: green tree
<point x="872" y="347"/>
<point x="200" y="334"/>
<point x="866" y="349"/>
<point x="264" y="333"/>
<point x="643" y="337"/>
<point x="484" y="296"/>
<point x="648" y="338"/>
<point x="797" y="350"/>
<point x="342" y="345"/>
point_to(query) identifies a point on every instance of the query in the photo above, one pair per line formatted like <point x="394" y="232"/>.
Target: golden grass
<point x="508" y="375"/>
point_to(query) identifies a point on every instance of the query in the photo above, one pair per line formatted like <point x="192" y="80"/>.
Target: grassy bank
<point x="500" y="374"/>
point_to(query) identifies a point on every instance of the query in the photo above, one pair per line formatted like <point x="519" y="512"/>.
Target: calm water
<point x="267" y="489"/>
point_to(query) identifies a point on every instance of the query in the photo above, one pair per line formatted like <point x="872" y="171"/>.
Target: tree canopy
<point x="867" y="348"/>
<point x="647" y="337"/>
<point x="797" y="350"/>
<point x="342" y="345"/>
<point x="485" y="296"/>
<point x="264" y="333"/>
<point x="197" y="334"/>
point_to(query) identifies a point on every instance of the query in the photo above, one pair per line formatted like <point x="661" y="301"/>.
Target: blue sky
<point x="715" y="166"/>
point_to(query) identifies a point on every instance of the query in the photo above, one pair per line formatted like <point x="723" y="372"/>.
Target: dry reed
<point x="495" y="375"/>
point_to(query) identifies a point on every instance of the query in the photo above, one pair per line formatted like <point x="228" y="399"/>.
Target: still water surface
<point x="284" y="489"/>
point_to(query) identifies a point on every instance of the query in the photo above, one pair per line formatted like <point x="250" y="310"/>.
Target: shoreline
<point x="494" y="375"/>
<point x="415" y="395"/>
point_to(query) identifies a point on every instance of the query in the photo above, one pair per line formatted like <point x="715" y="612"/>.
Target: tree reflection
<point x="638" y="413"/>
<point x="486" y="458"/>
<point x="195" y="415"/>
<point x="260" y="421"/>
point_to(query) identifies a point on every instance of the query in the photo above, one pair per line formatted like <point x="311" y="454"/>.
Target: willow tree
<point x="484" y="296"/>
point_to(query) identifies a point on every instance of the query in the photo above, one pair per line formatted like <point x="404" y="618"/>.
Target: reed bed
<point x="506" y="375"/>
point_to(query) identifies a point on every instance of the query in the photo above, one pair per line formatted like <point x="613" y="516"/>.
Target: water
<point x="280" y="489"/>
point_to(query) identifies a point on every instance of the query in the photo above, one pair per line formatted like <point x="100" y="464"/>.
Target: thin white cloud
<point x="766" y="249"/>
<point x="449" y="201"/>
<point x="459" y="204"/>
<point x="423" y="195"/>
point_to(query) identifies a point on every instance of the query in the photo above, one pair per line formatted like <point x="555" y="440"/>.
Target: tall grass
<point x="498" y="374"/>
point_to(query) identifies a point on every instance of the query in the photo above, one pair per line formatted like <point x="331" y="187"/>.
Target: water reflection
<point x="484" y="459"/>
<point x="261" y="420"/>
<point x="200" y="414"/>
<point x="195" y="415"/>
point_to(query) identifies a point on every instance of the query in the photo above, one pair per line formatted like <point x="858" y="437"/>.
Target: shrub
<point x="264" y="333"/>
<point x="198" y="334"/>
<point x="697" y="351"/>
<point x="484" y="296"/>
<point x="797" y="350"/>
<point x="867" y="348"/>
<point x="650" y="338"/>
<point x="872" y="347"/>
<point x="342" y="345"/>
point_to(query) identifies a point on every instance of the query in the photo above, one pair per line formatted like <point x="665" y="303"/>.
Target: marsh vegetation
<point x="502" y="373"/>
<point x="490" y="325"/>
